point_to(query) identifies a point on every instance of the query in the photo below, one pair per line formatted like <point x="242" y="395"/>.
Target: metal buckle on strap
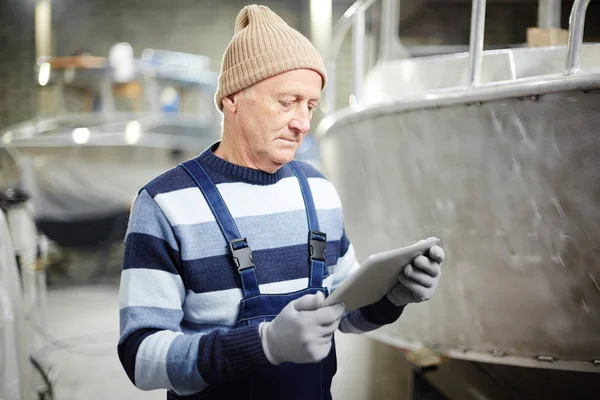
<point x="317" y="244"/>
<point x="242" y="253"/>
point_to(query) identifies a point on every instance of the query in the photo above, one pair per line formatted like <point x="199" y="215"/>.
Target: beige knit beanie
<point x="263" y="45"/>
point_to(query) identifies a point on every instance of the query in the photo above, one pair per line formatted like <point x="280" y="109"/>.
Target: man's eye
<point x="285" y="103"/>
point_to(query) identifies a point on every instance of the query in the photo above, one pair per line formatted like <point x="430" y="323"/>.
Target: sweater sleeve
<point x="153" y="349"/>
<point x="367" y="318"/>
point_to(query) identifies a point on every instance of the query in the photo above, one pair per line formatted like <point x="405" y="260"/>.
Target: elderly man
<point x="230" y="255"/>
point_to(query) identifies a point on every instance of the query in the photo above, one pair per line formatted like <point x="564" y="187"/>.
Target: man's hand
<point x="302" y="331"/>
<point x="418" y="281"/>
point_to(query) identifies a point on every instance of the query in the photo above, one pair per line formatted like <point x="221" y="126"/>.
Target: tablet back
<point x="377" y="276"/>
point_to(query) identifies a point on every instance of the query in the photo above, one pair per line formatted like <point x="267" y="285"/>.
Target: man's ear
<point x="230" y="103"/>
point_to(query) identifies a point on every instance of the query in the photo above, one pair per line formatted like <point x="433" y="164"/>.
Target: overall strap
<point x="317" y="240"/>
<point x="240" y="250"/>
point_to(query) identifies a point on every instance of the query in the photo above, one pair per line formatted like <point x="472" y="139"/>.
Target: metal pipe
<point x="59" y="97"/>
<point x="330" y="95"/>
<point x="476" y="41"/>
<point x="576" y="25"/>
<point x="549" y="13"/>
<point x="320" y="24"/>
<point x="43" y="28"/>
<point x="358" y="54"/>
<point x="43" y="47"/>
<point x="390" y="26"/>
<point x="340" y="30"/>
<point x="106" y="94"/>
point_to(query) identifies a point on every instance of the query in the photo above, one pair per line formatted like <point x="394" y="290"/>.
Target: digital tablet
<point x="377" y="276"/>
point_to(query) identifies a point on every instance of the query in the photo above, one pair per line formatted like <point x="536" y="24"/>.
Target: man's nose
<point x="301" y="121"/>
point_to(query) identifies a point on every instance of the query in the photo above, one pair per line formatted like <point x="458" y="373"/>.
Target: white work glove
<point x="418" y="280"/>
<point x="301" y="332"/>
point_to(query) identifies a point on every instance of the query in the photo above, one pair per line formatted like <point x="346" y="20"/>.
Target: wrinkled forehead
<point x="302" y="83"/>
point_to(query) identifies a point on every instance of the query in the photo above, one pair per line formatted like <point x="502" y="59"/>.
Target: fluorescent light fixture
<point x="44" y="74"/>
<point x="81" y="135"/>
<point x="133" y="132"/>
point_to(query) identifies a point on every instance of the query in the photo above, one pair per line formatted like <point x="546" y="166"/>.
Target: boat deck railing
<point x="353" y="21"/>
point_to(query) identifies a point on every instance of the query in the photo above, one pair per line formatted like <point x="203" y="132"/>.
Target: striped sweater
<point x="178" y="296"/>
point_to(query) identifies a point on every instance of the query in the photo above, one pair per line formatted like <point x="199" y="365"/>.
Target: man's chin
<point x="283" y="156"/>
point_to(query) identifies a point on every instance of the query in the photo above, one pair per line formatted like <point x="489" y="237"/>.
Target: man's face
<point x="273" y="116"/>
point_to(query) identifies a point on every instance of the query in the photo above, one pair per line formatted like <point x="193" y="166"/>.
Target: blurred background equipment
<point x="120" y="122"/>
<point x="14" y="344"/>
<point x="22" y="300"/>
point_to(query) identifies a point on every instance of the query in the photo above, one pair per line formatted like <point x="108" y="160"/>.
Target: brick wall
<point x="17" y="52"/>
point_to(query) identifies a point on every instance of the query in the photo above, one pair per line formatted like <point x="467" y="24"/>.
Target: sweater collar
<point x="238" y="172"/>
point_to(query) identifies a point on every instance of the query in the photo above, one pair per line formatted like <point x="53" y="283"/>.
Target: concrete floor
<point x="80" y="351"/>
<point x="84" y="364"/>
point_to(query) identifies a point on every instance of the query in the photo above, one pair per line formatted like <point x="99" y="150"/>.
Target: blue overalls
<point x="286" y="380"/>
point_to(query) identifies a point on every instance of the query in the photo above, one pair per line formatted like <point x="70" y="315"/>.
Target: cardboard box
<point x="540" y="37"/>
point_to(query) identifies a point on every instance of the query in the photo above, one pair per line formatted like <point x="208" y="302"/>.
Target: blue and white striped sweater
<point x="179" y="299"/>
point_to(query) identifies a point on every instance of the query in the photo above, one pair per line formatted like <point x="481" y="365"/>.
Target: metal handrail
<point x="344" y="24"/>
<point x="358" y="50"/>
<point x="576" y="25"/>
<point x="340" y="30"/>
<point x="476" y="41"/>
<point x="357" y="10"/>
<point x="549" y="13"/>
